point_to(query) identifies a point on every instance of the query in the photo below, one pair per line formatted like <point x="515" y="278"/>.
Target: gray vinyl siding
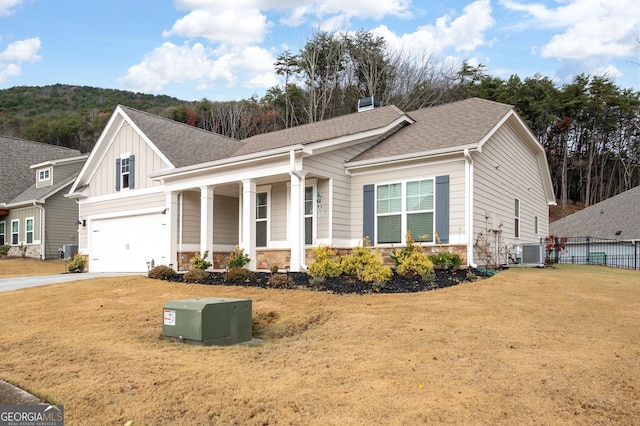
<point x="506" y="169"/>
<point x="146" y="162"/>
<point x="327" y="166"/>
<point x="455" y="169"/>
<point x="225" y="220"/>
<point x="60" y="228"/>
<point x="20" y="215"/>
<point x="278" y="211"/>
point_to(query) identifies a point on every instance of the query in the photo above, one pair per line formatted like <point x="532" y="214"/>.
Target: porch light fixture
<point x="82" y="222"/>
<point x="164" y="211"/>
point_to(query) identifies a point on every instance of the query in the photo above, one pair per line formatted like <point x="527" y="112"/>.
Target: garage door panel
<point x="126" y="244"/>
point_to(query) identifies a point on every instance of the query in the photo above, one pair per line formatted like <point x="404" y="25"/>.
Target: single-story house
<point x="154" y="191"/>
<point x="36" y="219"/>
<point x="605" y="233"/>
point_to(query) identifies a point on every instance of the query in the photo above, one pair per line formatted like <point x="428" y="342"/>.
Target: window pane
<point x="389" y="198"/>
<point x="389" y="229"/>
<point x="261" y="234"/>
<point x="420" y="195"/>
<point x="421" y="226"/>
<point x="308" y="200"/>
<point x="261" y="205"/>
<point x="517" y="208"/>
<point x="308" y="230"/>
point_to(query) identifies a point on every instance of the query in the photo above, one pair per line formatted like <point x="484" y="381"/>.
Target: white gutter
<point x="468" y="205"/>
<point x="411" y="156"/>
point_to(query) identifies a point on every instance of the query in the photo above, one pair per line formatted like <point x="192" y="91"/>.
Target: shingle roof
<point x="604" y="219"/>
<point x="17" y="156"/>
<point x="459" y="123"/>
<point x="33" y="193"/>
<point x="182" y="144"/>
<point x="322" y="130"/>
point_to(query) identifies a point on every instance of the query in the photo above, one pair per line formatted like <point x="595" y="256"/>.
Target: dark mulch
<point x="345" y="285"/>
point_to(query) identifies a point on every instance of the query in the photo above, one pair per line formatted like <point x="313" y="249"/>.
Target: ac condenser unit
<point x="532" y="254"/>
<point x="208" y="321"/>
<point x="70" y="250"/>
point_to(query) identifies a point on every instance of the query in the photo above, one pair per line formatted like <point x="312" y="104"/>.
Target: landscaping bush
<point x="446" y="260"/>
<point x="196" y="275"/>
<point x="199" y="262"/>
<point x="364" y="263"/>
<point x="238" y="275"/>
<point x="280" y="281"/>
<point x="325" y="263"/>
<point x="4" y="249"/>
<point x="162" y="272"/>
<point x="237" y="258"/>
<point x="77" y="264"/>
<point x="411" y="260"/>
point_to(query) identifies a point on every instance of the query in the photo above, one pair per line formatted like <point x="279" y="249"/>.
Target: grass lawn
<point x="528" y="346"/>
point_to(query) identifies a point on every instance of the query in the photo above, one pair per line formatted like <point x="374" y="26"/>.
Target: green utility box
<point x="208" y="321"/>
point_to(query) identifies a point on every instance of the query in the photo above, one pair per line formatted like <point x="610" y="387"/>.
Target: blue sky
<point x="225" y="49"/>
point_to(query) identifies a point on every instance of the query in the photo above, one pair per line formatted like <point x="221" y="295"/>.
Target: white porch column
<point x="171" y="223"/>
<point x="296" y="222"/>
<point x="248" y="237"/>
<point x="206" y="220"/>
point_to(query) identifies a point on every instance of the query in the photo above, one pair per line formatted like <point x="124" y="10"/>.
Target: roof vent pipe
<point x="368" y="103"/>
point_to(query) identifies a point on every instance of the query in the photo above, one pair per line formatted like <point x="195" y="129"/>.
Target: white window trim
<point x="17" y="221"/>
<point x="267" y="189"/>
<point x="125" y="156"/>
<point x="403" y="212"/>
<point x="46" y="172"/>
<point x="313" y="184"/>
<point x="4" y="230"/>
<point x="26" y="230"/>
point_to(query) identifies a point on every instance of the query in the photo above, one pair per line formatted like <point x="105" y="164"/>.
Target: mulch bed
<point x="345" y="285"/>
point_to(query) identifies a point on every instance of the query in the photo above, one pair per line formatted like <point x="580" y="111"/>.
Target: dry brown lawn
<point x="527" y="346"/>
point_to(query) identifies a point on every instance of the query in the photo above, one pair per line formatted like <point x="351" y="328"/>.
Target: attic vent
<point x="368" y="103"/>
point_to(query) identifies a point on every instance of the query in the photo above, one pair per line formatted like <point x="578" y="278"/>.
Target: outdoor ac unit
<point x="531" y="254"/>
<point x="70" y="250"/>
<point x="208" y="321"/>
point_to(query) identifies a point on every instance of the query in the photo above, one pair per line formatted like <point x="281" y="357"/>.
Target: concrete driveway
<point x="15" y="283"/>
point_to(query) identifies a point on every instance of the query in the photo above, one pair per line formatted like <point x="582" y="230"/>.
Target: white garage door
<point x="126" y="244"/>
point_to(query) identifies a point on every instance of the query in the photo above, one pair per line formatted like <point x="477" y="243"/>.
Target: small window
<point x="3" y="233"/>
<point x="44" y="175"/>
<point x="535" y="225"/>
<point x="28" y="226"/>
<point x="124" y="172"/>
<point x="15" y="229"/>
<point x="308" y="215"/>
<point x="516" y="231"/>
<point x="262" y="210"/>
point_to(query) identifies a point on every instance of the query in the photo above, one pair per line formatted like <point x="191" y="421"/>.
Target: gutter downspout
<point x="469" y="205"/>
<point x="300" y="233"/>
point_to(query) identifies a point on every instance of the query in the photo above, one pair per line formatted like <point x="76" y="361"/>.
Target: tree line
<point x="590" y="128"/>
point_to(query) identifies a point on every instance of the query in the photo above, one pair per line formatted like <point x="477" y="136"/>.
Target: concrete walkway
<point x="15" y="283"/>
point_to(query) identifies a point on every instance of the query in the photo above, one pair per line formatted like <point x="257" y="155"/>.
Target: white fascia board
<point x="60" y="161"/>
<point x="424" y="155"/>
<point x="233" y="162"/>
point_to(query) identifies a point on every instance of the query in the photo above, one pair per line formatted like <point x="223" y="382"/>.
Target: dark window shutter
<point x="369" y="212"/>
<point x="117" y="174"/>
<point x="132" y="171"/>
<point x="442" y="208"/>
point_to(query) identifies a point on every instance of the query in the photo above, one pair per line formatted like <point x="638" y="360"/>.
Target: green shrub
<point x="446" y="260"/>
<point x="238" y="275"/>
<point x="274" y="269"/>
<point x="196" y="275"/>
<point x="237" y="258"/>
<point x="365" y="264"/>
<point x="162" y="272"/>
<point x="325" y="263"/>
<point x="201" y="262"/>
<point x="280" y="281"/>
<point x="4" y="249"/>
<point x="415" y="263"/>
<point x="77" y="264"/>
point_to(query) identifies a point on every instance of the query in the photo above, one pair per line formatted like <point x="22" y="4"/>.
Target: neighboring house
<point x="36" y="219"/>
<point x="155" y="191"/>
<point x="605" y="233"/>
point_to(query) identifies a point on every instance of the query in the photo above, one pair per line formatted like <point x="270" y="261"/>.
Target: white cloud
<point x="6" y="6"/>
<point x="463" y="33"/>
<point x="16" y="53"/>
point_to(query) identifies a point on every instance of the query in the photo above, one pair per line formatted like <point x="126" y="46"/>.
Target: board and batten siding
<point x="335" y="186"/>
<point x="507" y="169"/>
<point x="454" y="168"/>
<point x="127" y="140"/>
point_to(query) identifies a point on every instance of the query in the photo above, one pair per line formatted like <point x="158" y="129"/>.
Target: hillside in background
<point x="68" y="115"/>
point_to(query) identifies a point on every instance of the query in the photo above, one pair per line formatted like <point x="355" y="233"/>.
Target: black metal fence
<point x="593" y="251"/>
